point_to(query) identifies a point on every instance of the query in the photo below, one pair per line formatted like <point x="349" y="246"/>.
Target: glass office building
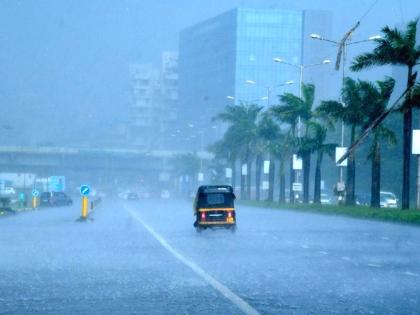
<point x="229" y="59"/>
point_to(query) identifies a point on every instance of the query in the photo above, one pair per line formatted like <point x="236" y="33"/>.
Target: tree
<point x="353" y="114"/>
<point x="376" y="99"/>
<point x="291" y="109"/>
<point x="242" y="132"/>
<point x="318" y="135"/>
<point x="397" y="47"/>
<point x="268" y="134"/>
<point x="188" y="165"/>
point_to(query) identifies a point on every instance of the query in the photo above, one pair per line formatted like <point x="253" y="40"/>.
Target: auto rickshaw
<point x="214" y="207"/>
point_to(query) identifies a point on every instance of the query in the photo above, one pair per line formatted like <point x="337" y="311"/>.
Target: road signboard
<point x="85" y="190"/>
<point x="297" y="187"/>
<point x="339" y="152"/>
<point x="35" y="193"/>
<point x="56" y="183"/>
<point x="297" y="162"/>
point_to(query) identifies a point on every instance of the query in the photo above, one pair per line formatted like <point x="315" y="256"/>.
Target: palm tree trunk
<point x="351" y="172"/>
<point x="233" y="167"/>
<point x="306" y="171"/>
<point x="258" y="165"/>
<point x="243" y="180"/>
<point x="408" y="121"/>
<point x="271" y="180"/>
<point x="376" y="176"/>
<point x="282" y="180"/>
<point x="248" y="178"/>
<point x="292" y="180"/>
<point x="317" y="184"/>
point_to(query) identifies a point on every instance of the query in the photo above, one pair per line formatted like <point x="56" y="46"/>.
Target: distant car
<point x="388" y="200"/>
<point x="326" y="199"/>
<point x="7" y="192"/>
<point x="50" y="198"/>
<point x="165" y="194"/>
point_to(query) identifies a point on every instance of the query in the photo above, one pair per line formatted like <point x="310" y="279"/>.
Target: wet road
<point x="144" y="257"/>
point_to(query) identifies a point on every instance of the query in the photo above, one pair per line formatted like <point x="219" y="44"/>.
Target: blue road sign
<point x="56" y="183"/>
<point x="35" y="193"/>
<point x="85" y="190"/>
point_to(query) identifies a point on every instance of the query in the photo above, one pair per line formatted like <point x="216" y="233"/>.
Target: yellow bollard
<point x="34" y="202"/>
<point x="85" y="207"/>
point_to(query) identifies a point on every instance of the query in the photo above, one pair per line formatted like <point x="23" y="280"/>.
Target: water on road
<point x="144" y="257"/>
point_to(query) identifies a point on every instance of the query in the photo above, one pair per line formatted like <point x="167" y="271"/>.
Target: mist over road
<point x="138" y="257"/>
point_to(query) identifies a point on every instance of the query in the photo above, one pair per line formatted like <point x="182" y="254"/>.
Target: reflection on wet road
<point x="144" y="257"/>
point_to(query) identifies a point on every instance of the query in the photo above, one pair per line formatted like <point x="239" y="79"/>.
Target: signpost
<point x="35" y="194"/>
<point x="415" y="150"/>
<point x="85" y="191"/>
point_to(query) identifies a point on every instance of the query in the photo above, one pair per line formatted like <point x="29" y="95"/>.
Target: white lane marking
<point x="304" y="246"/>
<point x="225" y="291"/>
<point x="323" y="252"/>
<point x="346" y="258"/>
<point x="412" y="274"/>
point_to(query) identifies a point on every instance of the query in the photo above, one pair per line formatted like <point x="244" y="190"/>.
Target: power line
<point x="368" y="10"/>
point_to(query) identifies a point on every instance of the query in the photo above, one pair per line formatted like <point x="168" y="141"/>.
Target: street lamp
<point x="342" y="45"/>
<point x="270" y="88"/>
<point x="301" y="69"/>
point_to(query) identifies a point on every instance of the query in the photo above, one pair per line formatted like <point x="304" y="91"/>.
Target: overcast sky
<point x="67" y="61"/>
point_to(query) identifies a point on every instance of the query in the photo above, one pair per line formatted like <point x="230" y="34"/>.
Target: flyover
<point x="47" y="160"/>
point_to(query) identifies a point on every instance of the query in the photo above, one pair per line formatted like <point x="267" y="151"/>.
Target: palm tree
<point x="282" y="149"/>
<point x="376" y="100"/>
<point x="242" y="131"/>
<point x="268" y="134"/>
<point x="226" y="150"/>
<point x="318" y="134"/>
<point x="353" y="114"/>
<point x="289" y="111"/>
<point x="397" y="47"/>
<point x="187" y="164"/>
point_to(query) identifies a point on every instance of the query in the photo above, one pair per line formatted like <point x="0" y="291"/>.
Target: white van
<point x="388" y="200"/>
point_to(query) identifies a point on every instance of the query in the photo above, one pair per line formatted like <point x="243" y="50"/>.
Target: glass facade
<point x="218" y="56"/>
<point x="262" y="35"/>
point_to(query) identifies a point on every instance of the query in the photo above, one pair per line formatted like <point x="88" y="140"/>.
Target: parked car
<point x="326" y="199"/>
<point x="50" y="198"/>
<point x="7" y="192"/>
<point x="388" y="200"/>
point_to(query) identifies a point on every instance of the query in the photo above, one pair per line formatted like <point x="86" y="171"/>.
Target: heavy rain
<point x="209" y="157"/>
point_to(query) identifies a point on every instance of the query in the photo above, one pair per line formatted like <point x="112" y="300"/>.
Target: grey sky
<point x="68" y="60"/>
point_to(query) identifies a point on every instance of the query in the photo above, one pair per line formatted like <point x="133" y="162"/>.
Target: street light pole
<point x="343" y="44"/>
<point x="269" y="88"/>
<point x="301" y="68"/>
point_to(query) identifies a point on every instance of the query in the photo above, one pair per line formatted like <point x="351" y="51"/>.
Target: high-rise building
<point x="153" y="108"/>
<point x="229" y="59"/>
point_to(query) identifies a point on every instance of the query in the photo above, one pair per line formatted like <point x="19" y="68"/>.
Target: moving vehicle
<point x="214" y="207"/>
<point x="51" y="198"/>
<point x="388" y="200"/>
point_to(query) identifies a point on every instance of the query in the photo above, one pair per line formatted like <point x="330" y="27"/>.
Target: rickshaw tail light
<point x="230" y="214"/>
<point x="203" y="215"/>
